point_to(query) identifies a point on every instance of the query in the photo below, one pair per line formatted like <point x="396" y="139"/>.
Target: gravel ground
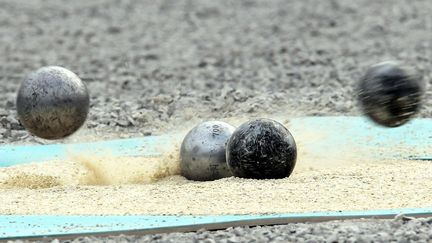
<point x="152" y="65"/>
<point x="401" y="230"/>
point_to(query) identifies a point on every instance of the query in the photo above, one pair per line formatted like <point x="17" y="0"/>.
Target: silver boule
<point x="52" y="102"/>
<point x="202" y="152"/>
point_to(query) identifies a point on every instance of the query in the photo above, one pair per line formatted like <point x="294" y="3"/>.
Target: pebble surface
<point x="400" y="229"/>
<point x="152" y="65"/>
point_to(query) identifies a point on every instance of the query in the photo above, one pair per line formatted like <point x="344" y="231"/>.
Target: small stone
<point x="123" y="123"/>
<point x="3" y="130"/>
<point x="15" y="124"/>
<point x="3" y="112"/>
<point x="19" y="134"/>
<point x="208" y="241"/>
<point x="403" y="217"/>
<point x="4" y="121"/>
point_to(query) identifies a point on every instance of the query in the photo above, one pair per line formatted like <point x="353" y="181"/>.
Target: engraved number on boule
<point x="216" y="130"/>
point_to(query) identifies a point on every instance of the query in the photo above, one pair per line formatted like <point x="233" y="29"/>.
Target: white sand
<point x="96" y="186"/>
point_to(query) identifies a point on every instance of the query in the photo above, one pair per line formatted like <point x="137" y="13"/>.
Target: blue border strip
<point x="336" y="134"/>
<point x="133" y="147"/>
<point x="43" y="226"/>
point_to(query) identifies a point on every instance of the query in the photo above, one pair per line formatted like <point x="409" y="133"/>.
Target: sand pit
<point x="88" y="185"/>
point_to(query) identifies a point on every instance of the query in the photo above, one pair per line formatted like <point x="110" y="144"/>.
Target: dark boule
<point x="202" y="153"/>
<point x="52" y="102"/>
<point x="390" y="94"/>
<point x="261" y="149"/>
